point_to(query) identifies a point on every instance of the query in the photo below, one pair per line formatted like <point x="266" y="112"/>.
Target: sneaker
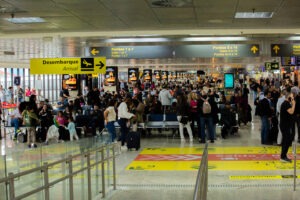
<point x="124" y="148"/>
<point x="202" y="141"/>
<point x="29" y="146"/>
<point x="34" y="146"/>
<point x="46" y="143"/>
<point x="286" y="160"/>
<point x="212" y="141"/>
<point x="18" y="131"/>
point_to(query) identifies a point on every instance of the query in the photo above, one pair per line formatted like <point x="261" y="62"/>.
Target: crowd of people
<point x="199" y="108"/>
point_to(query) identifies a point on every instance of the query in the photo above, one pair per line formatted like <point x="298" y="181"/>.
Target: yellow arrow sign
<point x="254" y="49"/>
<point x="94" y="51"/>
<point x="276" y="49"/>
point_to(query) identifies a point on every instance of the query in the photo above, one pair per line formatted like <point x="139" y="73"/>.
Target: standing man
<point x="19" y="92"/>
<point x="286" y="125"/>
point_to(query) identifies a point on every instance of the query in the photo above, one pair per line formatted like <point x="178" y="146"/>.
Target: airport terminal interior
<point x="215" y="61"/>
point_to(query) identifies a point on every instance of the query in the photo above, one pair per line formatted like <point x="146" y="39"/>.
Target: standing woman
<point x="194" y="112"/>
<point x="110" y="118"/>
<point x="124" y="116"/>
<point x="183" y="116"/>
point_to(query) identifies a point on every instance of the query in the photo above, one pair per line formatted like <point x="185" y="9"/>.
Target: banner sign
<point x="157" y="75"/>
<point x="68" y="65"/>
<point x="147" y="75"/>
<point x="111" y="76"/>
<point x="133" y="74"/>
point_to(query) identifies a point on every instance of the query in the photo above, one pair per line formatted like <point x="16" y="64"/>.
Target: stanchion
<point x="295" y="164"/>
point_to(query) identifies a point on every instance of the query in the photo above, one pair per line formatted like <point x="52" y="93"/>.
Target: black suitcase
<point x="133" y="140"/>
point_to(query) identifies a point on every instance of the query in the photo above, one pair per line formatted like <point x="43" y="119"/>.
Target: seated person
<point x="16" y="121"/>
<point x="61" y="122"/>
<point x="46" y="119"/>
<point x="97" y="120"/>
<point x="228" y="120"/>
<point x="62" y="104"/>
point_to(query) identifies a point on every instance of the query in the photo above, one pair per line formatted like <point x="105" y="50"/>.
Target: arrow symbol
<point x="254" y="49"/>
<point x="94" y="51"/>
<point x="100" y="65"/>
<point x="276" y="49"/>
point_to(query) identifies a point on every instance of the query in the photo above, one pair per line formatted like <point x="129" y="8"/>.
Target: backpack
<point x="206" y="108"/>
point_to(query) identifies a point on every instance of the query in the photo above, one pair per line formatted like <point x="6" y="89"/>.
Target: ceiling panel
<point x="175" y="13"/>
<point x="73" y="15"/>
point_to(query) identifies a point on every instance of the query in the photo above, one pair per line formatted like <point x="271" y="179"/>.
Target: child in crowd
<point x="72" y="129"/>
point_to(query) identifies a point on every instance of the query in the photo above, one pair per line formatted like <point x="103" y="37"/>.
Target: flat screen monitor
<point x="228" y="80"/>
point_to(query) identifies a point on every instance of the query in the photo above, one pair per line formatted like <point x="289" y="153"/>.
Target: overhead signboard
<point x="181" y="51"/>
<point x="123" y="52"/>
<point x="218" y="50"/>
<point x="285" y="50"/>
<point x="68" y="65"/>
<point x="271" y="66"/>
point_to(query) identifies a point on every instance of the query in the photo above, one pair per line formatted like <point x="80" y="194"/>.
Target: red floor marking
<point x="212" y="157"/>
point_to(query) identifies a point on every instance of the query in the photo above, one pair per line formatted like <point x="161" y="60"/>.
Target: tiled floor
<point x="239" y="167"/>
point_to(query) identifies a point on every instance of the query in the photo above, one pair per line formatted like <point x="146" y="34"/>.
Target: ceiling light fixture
<point x="253" y="15"/>
<point x="24" y="20"/>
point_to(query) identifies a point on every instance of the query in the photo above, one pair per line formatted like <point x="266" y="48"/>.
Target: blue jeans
<point x="208" y="121"/>
<point x="15" y="123"/>
<point x="124" y="130"/>
<point x="265" y="127"/>
<point x="111" y="130"/>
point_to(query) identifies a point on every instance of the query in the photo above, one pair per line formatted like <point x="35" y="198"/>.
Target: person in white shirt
<point x="124" y="116"/>
<point x="110" y="118"/>
<point x="165" y="98"/>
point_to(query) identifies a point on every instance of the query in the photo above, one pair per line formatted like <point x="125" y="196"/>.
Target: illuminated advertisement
<point x="147" y="75"/>
<point x="110" y="76"/>
<point x="229" y="80"/>
<point x="70" y="80"/>
<point x="133" y="74"/>
<point x="157" y="75"/>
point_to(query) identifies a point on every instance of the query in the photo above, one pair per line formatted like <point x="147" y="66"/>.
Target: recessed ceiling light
<point x="253" y="15"/>
<point x="25" y="20"/>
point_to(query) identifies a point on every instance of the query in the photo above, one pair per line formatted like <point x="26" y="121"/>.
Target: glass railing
<point x="80" y="169"/>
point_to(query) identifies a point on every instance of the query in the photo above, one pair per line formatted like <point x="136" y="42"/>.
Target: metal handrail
<point x="46" y="166"/>
<point x="295" y="164"/>
<point x="200" y="192"/>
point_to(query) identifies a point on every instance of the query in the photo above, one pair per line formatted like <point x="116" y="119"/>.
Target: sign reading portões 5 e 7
<point x="68" y="65"/>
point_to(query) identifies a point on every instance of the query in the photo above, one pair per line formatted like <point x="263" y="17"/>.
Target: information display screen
<point x="229" y="80"/>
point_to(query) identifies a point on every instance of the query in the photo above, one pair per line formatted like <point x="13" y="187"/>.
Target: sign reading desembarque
<point x="68" y="65"/>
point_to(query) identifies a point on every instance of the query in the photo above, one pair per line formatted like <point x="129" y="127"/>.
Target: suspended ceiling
<point x="161" y="16"/>
<point x="91" y="20"/>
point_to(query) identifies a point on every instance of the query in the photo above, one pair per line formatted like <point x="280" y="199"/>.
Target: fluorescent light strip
<point x="204" y="39"/>
<point x="25" y="20"/>
<point x="124" y="40"/>
<point x="253" y="15"/>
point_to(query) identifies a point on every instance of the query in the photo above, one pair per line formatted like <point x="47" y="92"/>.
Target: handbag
<point x="184" y="120"/>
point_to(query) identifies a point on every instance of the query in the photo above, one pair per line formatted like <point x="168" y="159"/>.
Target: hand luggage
<point x="133" y="140"/>
<point x="22" y="137"/>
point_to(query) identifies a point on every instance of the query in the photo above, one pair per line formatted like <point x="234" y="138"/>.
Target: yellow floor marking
<point x="212" y="165"/>
<point x="216" y="150"/>
<point x="260" y="177"/>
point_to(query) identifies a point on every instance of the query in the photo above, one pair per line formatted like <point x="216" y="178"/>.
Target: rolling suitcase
<point x="133" y="140"/>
